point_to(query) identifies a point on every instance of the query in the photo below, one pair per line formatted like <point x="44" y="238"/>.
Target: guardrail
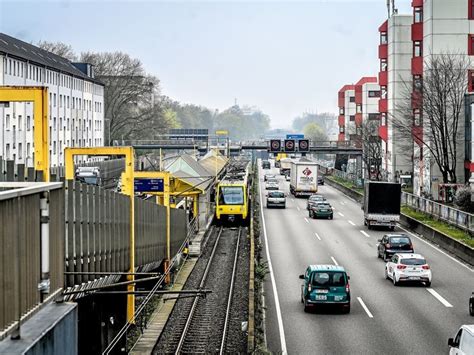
<point x="460" y="219"/>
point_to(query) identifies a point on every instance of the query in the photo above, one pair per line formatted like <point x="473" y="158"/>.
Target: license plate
<point x="414" y="278"/>
<point x="321" y="291"/>
<point x="321" y="297"/>
<point x="322" y="210"/>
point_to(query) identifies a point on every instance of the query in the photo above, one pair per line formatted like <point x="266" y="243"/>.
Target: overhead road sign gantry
<point x="275" y="145"/>
<point x="295" y="136"/>
<point x="289" y="146"/>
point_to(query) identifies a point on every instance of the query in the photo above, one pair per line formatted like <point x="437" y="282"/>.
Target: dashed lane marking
<point x="306" y="219"/>
<point x="365" y="233"/>
<point x="365" y="307"/>
<point x="299" y="209"/>
<point x="439" y="297"/>
<point x="352" y="223"/>
<point x="340" y="214"/>
<point x="317" y="235"/>
<point x="334" y="261"/>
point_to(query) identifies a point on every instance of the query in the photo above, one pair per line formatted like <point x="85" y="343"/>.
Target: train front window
<point x="231" y="195"/>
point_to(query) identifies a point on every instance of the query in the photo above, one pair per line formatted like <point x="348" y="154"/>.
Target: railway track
<point x="201" y="325"/>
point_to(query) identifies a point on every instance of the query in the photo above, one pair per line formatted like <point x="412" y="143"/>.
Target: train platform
<point x="147" y="341"/>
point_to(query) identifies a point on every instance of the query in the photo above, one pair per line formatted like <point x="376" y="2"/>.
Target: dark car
<point x="265" y="164"/>
<point x="321" y="209"/>
<point x="320" y="180"/>
<point x="313" y="199"/>
<point x="392" y="244"/>
<point x="471" y="305"/>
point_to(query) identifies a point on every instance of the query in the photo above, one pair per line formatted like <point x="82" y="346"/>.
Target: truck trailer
<point x="381" y="204"/>
<point x="285" y="166"/>
<point x="303" y="178"/>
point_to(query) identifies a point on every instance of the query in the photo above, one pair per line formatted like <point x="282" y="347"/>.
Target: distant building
<point x="76" y="102"/>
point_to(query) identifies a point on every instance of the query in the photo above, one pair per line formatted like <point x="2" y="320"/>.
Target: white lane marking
<point x="306" y="219"/>
<point x="299" y="209"/>
<point x="439" y="297"/>
<point x="340" y="214"/>
<point x="272" y="277"/>
<point x="364" y="233"/>
<point x="365" y="307"/>
<point x="436" y="248"/>
<point x="341" y="202"/>
<point x="317" y="235"/>
<point x="334" y="261"/>
<point x="293" y="199"/>
<point x="352" y="223"/>
<point x="334" y="208"/>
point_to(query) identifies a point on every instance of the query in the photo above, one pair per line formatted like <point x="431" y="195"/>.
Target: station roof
<point x="189" y="170"/>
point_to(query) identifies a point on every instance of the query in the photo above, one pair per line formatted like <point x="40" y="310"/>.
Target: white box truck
<point x="303" y="178"/>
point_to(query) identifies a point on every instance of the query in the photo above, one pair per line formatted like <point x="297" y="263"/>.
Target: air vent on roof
<point x="16" y="46"/>
<point x="4" y="41"/>
<point x="40" y="55"/>
<point x="24" y="49"/>
<point x="54" y="59"/>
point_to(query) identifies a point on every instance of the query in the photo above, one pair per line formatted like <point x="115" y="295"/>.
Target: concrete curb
<point x="461" y="250"/>
<point x="453" y="246"/>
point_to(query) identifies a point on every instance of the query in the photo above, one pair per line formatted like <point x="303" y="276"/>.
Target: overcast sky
<point x="285" y="57"/>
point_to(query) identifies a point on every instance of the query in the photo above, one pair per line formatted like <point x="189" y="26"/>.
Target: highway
<point x="384" y="319"/>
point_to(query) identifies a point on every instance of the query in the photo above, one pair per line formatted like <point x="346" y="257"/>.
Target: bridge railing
<point x="23" y="256"/>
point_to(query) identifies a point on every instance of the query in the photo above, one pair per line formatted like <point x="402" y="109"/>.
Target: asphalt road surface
<point x="384" y="319"/>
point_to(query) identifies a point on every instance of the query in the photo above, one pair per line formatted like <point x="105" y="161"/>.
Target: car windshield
<point x="324" y="205"/>
<point x="231" y="195"/>
<point x="316" y="197"/>
<point x="276" y="194"/>
<point x="399" y="240"/>
<point x="329" y="278"/>
<point x="274" y="181"/>
<point x="412" y="261"/>
<point x="270" y="177"/>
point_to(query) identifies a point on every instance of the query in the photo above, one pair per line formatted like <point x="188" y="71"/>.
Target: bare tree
<point x="59" y="48"/>
<point x="432" y="110"/>
<point x="131" y="96"/>
<point x="371" y="145"/>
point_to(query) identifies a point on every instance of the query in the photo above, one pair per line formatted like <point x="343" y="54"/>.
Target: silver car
<point x="276" y="199"/>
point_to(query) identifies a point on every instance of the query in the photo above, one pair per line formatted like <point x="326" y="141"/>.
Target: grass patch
<point x="346" y="183"/>
<point x="441" y="226"/>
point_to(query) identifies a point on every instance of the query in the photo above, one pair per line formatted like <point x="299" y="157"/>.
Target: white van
<point x="463" y="342"/>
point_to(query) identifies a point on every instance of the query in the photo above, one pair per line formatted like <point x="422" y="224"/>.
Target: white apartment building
<point x="76" y="102"/>
<point x="347" y="107"/>
<point x="395" y="53"/>
<point x="439" y="27"/>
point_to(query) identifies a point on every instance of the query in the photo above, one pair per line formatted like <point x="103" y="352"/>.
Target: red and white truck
<point x="303" y="178"/>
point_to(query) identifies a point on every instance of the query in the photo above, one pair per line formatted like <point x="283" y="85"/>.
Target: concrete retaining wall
<point x="462" y="251"/>
<point x="351" y="193"/>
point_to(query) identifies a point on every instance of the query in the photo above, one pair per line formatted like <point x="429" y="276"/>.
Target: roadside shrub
<point x="462" y="199"/>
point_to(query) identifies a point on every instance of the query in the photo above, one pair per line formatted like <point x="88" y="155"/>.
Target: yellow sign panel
<point x="222" y="133"/>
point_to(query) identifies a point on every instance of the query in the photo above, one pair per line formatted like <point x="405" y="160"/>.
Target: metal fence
<point x="461" y="219"/>
<point x="20" y="250"/>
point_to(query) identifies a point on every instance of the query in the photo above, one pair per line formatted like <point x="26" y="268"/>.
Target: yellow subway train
<point x="232" y="194"/>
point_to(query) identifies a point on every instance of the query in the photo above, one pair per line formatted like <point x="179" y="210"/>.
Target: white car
<point x="287" y="177"/>
<point x="272" y="184"/>
<point x="408" y="268"/>
<point x="463" y="342"/>
<point x="276" y="199"/>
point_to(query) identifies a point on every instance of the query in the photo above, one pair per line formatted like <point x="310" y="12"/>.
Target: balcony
<point x="416" y="100"/>
<point x="417" y="3"/>
<point x="383" y="133"/>
<point x="383" y="105"/>
<point x="383" y="51"/>
<point x="417" y="133"/>
<point x="416" y="66"/>
<point x="341" y="137"/>
<point x="383" y="78"/>
<point x="341" y="121"/>
<point x="417" y="31"/>
<point x="358" y="119"/>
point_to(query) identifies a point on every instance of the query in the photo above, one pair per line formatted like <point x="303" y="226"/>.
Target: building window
<point x="341" y="110"/>
<point x="373" y="93"/>
<point x="54" y="101"/>
<point x="28" y="123"/>
<point x="7" y="122"/>
<point x="383" y="38"/>
<point x="341" y="129"/>
<point x="20" y="123"/>
<point x="417" y="117"/>
<point x="417" y="49"/>
<point x="471" y="10"/>
<point x="60" y="123"/>
<point x="54" y="147"/>
<point x="417" y="83"/>
<point x="67" y="124"/>
<point x="20" y="152"/>
<point x="418" y="14"/>
<point x="352" y="99"/>
<point x="374" y="116"/>
<point x="7" y="151"/>
<point x="359" y="108"/>
<point x="352" y="118"/>
<point x="28" y="150"/>
<point x="383" y="64"/>
<point x="54" y="123"/>
<point x="383" y="119"/>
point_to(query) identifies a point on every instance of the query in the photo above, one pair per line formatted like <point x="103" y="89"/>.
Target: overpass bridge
<point x="326" y="147"/>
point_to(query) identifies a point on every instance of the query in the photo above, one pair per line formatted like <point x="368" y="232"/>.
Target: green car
<point x="320" y="209"/>
<point x="325" y="285"/>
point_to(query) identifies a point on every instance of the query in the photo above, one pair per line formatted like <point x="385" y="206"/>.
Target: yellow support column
<point x="196" y="206"/>
<point x="166" y="198"/>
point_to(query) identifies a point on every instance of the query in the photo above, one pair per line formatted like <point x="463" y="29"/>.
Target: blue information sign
<point x="295" y="136"/>
<point x="148" y="185"/>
